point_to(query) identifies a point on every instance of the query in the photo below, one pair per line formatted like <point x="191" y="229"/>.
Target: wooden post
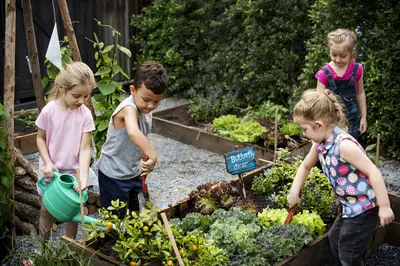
<point x="378" y="144"/>
<point x="9" y="92"/>
<point x="33" y="53"/>
<point x="76" y="55"/>
<point x="69" y="30"/>
<point x="276" y="134"/>
<point x="78" y="178"/>
<point x="171" y="238"/>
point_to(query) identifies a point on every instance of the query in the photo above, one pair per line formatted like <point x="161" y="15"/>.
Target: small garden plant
<point x="141" y="239"/>
<point x="248" y="240"/>
<point x="317" y="194"/>
<point x="258" y="124"/>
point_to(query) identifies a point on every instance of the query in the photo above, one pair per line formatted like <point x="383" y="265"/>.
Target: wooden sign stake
<point x="172" y="239"/>
<point x="82" y="209"/>
<point x="378" y="143"/>
<point x="276" y="134"/>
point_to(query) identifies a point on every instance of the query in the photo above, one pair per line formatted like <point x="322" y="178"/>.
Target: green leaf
<point x="103" y="70"/>
<point x="105" y="87"/>
<point x="125" y="50"/>
<point x="370" y="147"/>
<point x="99" y="98"/>
<point x="103" y="125"/>
<point x="45" y="81"/>
<point x="108" y="48"/>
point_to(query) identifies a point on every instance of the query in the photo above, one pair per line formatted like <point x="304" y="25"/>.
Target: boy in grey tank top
<point x="121" y="164"/>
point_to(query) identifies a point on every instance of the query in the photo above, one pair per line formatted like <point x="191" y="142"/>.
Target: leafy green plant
<point x="6" y="168"/>
<point x="232" y="127"/>
<point x="246" y="242"/>
<point x="248" y="132"/>
<point x="219" y="51"/>
<point x="279" y="242"/>
<point x="291" y="129"/>
<point x="272" y="217"/>
<point x="267" y="110"/>
<point x="141" y="239"/>
<point x="316" y="195"/>
<point x="211" y="196"/>
<point x="370" y="150"/>
<point x="51" y="252"/>
<point x="27" y="117"/>
<point x="225" y="124"/>
<point x="312" y="220"/>
<point x="110" y="90"/>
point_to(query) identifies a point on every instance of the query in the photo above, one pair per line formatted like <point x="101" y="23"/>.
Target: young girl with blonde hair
<point x="344" y="76"/>
<point x="64" y="133"/>
<point x="354" y="178"/>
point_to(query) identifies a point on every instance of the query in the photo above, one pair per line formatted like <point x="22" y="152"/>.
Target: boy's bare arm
<point x="129" y="115"/>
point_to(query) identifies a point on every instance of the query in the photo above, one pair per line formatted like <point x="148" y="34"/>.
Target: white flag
<point x="53" y="53"/>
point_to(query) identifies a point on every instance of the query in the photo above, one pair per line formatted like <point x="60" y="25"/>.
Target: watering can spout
<point x="86" y="219"/>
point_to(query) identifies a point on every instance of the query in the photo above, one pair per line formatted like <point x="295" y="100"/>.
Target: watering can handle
<point x="40" y="181"/>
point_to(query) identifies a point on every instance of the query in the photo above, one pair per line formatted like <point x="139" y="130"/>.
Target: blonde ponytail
<point x="315" y="105"/>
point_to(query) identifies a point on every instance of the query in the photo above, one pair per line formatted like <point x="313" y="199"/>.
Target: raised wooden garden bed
<point x="175" y="123"/>
<point x="25" y="131"/>
<point x="317" y="253"/>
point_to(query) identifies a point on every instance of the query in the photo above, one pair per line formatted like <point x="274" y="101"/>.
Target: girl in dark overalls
<point x="344" y="76"/>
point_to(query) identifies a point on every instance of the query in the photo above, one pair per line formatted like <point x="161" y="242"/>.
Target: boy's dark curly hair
<point x="153" y="75"/>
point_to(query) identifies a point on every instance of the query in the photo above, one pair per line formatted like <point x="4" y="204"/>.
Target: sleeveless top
<point x="120" y="157"/>
<point x="352" y="187"/>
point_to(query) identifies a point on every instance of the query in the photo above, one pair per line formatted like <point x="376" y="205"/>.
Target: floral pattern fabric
<point x="352" y="187"/>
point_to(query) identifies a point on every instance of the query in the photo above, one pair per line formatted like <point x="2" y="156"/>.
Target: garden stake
<point x="82" y="210"/>
<point x="241" y="179"/>
<point x="171" y="238"/>
<point x="144" y="185"/>
<point x="378" y="142"/>
<point x="276" y="134"/>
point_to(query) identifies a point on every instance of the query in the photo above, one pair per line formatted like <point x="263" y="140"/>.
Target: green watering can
<point x="61" y="200"/>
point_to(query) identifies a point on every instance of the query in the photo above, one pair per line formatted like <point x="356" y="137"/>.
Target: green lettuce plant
<point x="316" y="194"/>
<point x="291" y="129"/>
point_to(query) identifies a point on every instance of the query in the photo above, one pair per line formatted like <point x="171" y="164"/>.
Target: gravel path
<point x="180" y="169"/>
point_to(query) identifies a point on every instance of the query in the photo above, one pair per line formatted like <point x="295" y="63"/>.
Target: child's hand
<point x="293" y="199"/>
<point x="48" y="170"/>
<point x="82" y="187"/>
<point x="386" y="215"/>
<point x="147" y="166"/>
<point x="363" y="125"/>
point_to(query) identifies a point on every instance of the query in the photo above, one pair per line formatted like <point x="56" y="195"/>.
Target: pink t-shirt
<point x="321" y="76"/>
<point x="64" y="131"/>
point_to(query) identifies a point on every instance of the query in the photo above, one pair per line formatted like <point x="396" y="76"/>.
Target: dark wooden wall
<point x="116" y="13"/>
